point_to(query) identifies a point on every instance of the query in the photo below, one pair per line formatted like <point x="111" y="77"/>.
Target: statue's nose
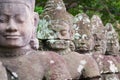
<point x="97" y="43"/>
<point x="82" y="43"/>
<point x="12" y="27"/>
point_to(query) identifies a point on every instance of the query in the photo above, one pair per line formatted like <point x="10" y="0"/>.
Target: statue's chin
<point x="109" y="52"/>
<point x="16" y="46"/>
<point x="58" y="47"/>
<point x="83" y="48"/>
<point x="98" y="48"/>
<point x="58" y="44"/>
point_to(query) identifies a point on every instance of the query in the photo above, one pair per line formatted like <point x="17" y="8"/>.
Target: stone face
<point x="53" y="28"/>
<point x="112" y="40"/>
<point x="83" y="38"/>
<point x="58" y="25"/>
<point x="99" y="34"/>
<point x="14" y="34"/>
<point x="57" y="21"/>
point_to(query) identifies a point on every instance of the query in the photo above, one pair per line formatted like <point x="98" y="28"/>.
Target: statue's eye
<point x="63" y="32"/>
<point x="3" y="19"/>
<point x="84" y="36"/>
<point x="19" y="19"/>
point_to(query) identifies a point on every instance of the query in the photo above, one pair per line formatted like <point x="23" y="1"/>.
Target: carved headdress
<point x="57" y="11"/>
<point x="112" y="40"/>
<point x="97" y="24"/>
<point x="29" y="3"/>
<point x="54" y="5"/>
<point x="82" y="24"/>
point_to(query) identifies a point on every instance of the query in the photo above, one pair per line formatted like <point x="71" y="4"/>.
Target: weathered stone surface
<point x="117" y="57"/>
<point x="112" y="40"/>
<point x="99" y="34"/>
<point x="108" y="64"/>
<point x="84" y="43"/>
<point x="54" y="13"/>
<point x="34" y="43"/>
<point x="28" y="3"/>
<point x="3" y="74"/>
<point x="113" y="44"/>
<point x="110" y="77"/>
<point x="83" y="37"/>
<point x="61" y="26"/>
<point x="35" y="65"/>
<point x="80" y="65"/>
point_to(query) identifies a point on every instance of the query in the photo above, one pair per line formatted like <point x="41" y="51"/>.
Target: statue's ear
<point x="36" y="19"/>
<point x="72" y="33"/>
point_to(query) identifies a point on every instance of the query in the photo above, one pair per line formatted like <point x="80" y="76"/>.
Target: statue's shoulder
<point x="110" y="64"/>
<point x="48" y="56"/>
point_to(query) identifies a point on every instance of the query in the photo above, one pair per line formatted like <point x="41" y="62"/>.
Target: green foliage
<point x="108" y="10"/>
<point x="39" y="9"/>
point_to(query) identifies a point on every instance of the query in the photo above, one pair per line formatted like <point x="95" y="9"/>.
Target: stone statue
<point x="113" y="44"/>
<point x="112" y="40"/>
<point x="99" y="34"/>
<point x="59" y="36"/>
<point x="107" y="64"/>
<point x="83" y="37"/>
<point x="19" y="60"/>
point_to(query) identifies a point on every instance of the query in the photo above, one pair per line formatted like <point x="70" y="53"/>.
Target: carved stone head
<point x="112" y="40"/>
<point x="99" y="34"/>
<point x="57" y="25"/>
<point x="17" y="23"/>
<point x="83" y="37"/>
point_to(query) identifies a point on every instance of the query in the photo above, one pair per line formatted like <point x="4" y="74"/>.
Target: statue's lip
<point x="12" y="36"/>
<point x="82" y="48"/>
<point x="98" y="47"/>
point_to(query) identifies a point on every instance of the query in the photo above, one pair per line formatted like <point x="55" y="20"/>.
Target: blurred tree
<point x="108" y="10"/>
